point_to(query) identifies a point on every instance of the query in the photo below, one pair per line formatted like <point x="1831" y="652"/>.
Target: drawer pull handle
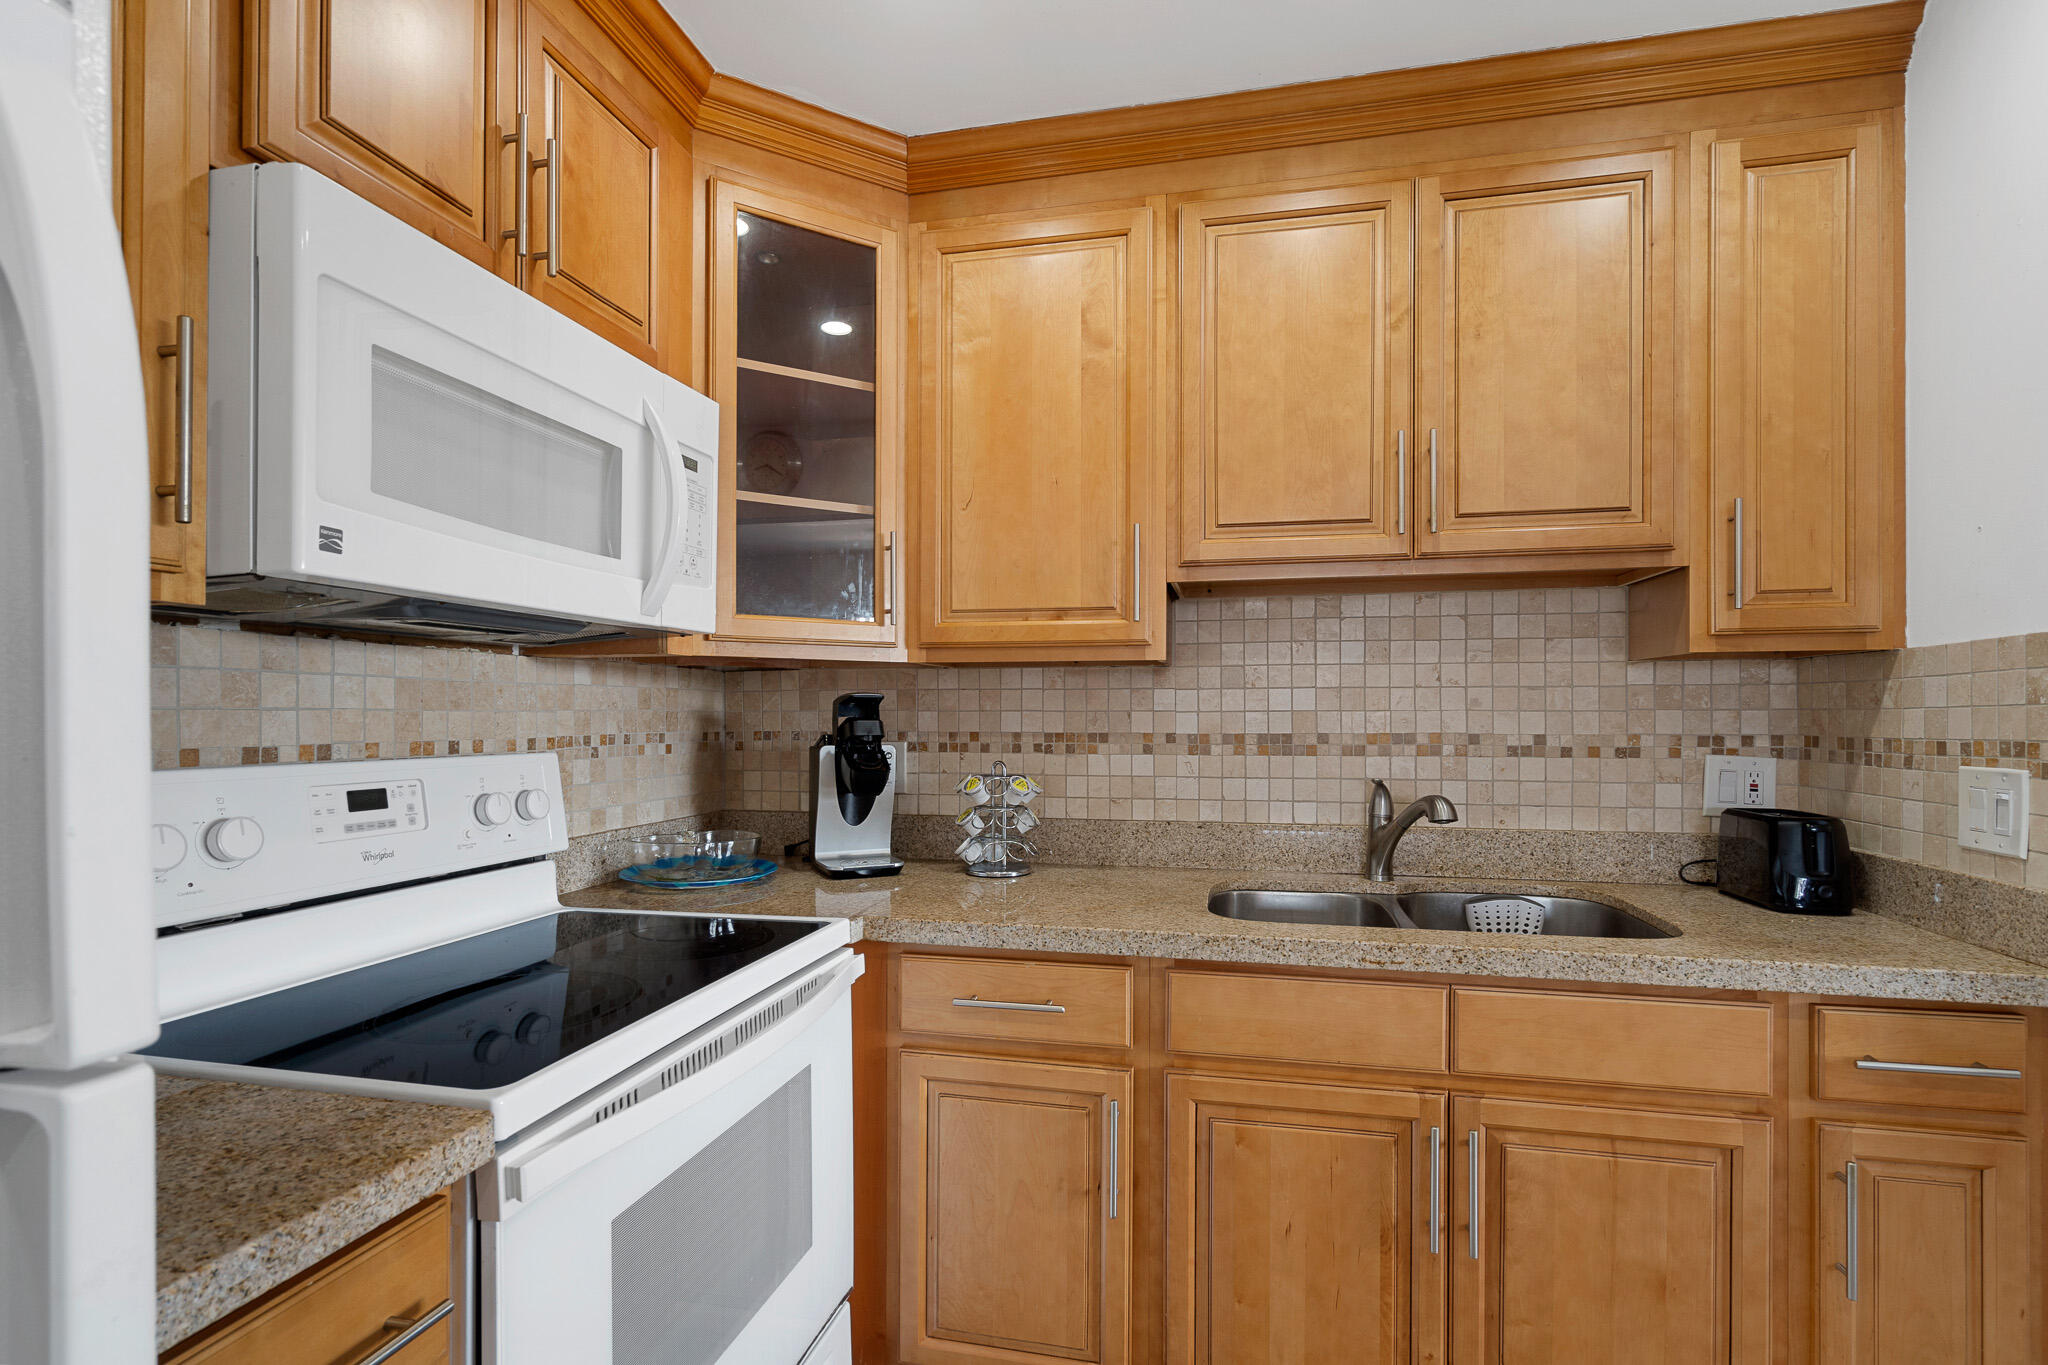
<point x="975" y="1002"/>
<point x="409" y="1330"/>
<point x="1976" y="1069"/>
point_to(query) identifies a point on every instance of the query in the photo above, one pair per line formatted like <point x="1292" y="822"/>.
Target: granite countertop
<point x="256" y="1183"/>
<point x="1163" y="912"/>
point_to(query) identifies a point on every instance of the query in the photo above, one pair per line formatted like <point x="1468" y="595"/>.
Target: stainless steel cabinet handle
<point x="1472" y="1190"/>
<point x="552" y="164"/>
<point x="1401" y="482"/>
<point x="889" y="578"/>
<point x="1738" y="554"/>
<point x="1849" y="1267"/>
<point x="522" y="193"/>
<point x="1432" y="481"/>
<point x="1977" y="1069"/>
<point x="1115" y="1156"/>
<point x="181" y="489"/>
<point x="975" y="1002"/>
<point x="408" y="1331"/>
<point x="1137" y="572"/>
<point x="1436" y="1191"/>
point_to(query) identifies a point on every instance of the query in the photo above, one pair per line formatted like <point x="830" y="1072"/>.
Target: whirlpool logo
<point x="376" y="855"/>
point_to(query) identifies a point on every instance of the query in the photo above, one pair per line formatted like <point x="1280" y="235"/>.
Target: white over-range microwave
<point x="401" y="442"/>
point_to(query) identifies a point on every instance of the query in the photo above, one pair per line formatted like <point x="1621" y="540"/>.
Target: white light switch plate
<point x="1991" y="810"/>
<point x="1733" y="780"/>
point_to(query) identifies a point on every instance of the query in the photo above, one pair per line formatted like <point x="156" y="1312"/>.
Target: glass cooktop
<point x="486" y="1011"/>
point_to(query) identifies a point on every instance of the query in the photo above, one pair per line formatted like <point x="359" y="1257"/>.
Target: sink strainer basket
<point x="1504" y="915"/>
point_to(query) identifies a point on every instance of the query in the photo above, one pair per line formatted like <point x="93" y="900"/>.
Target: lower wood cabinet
<point x="1015" y="1233"/>
<point x="1923" y="1249"/>
<point x="1591" y="1234"/>
<point x="1303" y="1223"/>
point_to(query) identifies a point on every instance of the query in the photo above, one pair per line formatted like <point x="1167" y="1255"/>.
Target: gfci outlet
<point x="1736" y="781"/>
<point x="1991" y="810"/>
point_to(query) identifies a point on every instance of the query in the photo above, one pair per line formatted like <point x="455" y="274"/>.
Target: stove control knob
<point x="533" y="804"/>
<point x="235" y="839"/>
<point x="492" y="809"/>
<point x="534" y="1029"/>
<point x="166" y="848"/>
<point x="492" y="1047"/>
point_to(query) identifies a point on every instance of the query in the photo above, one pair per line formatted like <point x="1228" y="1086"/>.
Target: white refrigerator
<point x="77" y="984"/>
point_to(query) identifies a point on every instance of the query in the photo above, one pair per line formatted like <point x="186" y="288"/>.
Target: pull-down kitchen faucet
<point x="1383" y="828"/>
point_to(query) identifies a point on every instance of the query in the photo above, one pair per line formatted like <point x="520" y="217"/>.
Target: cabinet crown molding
<point x="1872" y="41"/>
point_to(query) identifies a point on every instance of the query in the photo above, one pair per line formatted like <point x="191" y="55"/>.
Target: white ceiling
<point x="925" y="66"/>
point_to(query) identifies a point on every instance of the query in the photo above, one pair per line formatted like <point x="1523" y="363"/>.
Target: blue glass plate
<point x="696" y="874"/>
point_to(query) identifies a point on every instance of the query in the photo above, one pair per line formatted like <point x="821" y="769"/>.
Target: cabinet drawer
<point x="1613" y="1040"/>
<point x="1291" y="1019"/>
<point x="1039" y="1002"/>
<point x="1887" y="1042"/>
<point x="342" y="1310"/>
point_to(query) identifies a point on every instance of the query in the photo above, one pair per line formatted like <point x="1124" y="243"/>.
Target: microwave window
<point x="452" y="448"/>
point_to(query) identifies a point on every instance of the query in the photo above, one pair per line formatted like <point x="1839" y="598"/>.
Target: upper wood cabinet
<point x="393" y="98"/>
<point x="1037" y="508"/>
<point x="1015" y="1240"/>
<point x="1799" y="536"/>
<point x="1303" y="1223"/>
<point x="162" y="86"/>
<point x="1545" y="354"/>
<point x="1939" y="1265"/>
<point x="1294" y="319"/>
<point x="1591" y="1234"/>
<point x="604" y="201"/>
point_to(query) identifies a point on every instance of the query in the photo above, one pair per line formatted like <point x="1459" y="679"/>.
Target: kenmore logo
<point x="330" y="539"/>
<point x="377" y="855"/>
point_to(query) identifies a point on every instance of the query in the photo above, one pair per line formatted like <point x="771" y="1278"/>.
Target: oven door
<point x="417" y="426"/>
<point x="707" y="1220"/>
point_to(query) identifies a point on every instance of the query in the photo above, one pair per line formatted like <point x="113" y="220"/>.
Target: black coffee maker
<point x="853" y="791"/>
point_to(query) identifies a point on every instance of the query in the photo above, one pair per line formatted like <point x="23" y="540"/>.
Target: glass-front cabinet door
<point x="804" y="355"/>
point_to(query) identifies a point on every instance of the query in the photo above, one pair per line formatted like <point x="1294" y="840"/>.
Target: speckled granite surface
<point x="255" y="1184"/>
<point x="1162" y="912"/>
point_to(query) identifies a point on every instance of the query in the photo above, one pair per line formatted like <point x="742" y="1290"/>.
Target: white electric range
<point x="671" y="1093"/>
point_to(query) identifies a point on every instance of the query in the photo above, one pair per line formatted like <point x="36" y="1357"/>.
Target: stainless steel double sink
<point x="1564" y="915"/>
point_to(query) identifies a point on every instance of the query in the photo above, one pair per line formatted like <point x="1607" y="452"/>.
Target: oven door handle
<point x="663" y="575"/>
<point x="528" y="1166"/>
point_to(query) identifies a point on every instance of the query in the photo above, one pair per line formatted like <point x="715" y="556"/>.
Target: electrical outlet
<point x="1733" y="780"/>
<point x="1991" y="810"/>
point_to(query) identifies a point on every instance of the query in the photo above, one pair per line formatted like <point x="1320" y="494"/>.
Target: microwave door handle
<point x="663" y="575"/>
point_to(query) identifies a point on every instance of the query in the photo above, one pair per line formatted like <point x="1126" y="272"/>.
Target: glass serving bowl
<point x="692" y="854"/>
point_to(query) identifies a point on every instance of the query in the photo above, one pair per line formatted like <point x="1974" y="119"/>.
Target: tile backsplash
<point x="1520" y="706"/>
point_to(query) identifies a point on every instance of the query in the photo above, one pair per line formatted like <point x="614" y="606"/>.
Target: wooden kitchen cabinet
<point x="1545" y="357"/>
<point x="1799" y="475"/>
<point x="1037" y="507"/>
<point x="1303" y="1223"/>
<point x="1015" y="1240"/>
<point x="162" y="84"/>
<point x="1925" y="1257"/>
<point x="1295" y="314"/>
<point x="1592" y="1234"/>
<point x="395" y="99"/>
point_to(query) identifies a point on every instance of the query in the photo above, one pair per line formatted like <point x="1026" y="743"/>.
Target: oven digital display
<point x="369" y="798"/>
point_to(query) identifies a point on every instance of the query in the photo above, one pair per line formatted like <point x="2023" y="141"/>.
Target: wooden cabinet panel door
<point x="1804" y="454"/>
<point x="160" y="200"/>
<point x="1940" y="1250"/>
<point x="1545" y="357"/>
<point x="604" y="173"/>
<point x="1015" y="1235"/>
<point x="393" y="98"/>
<point x="1295" y="375"/>
<point x="1300" y="1225"/>
<point x="1034" y="453"/>
<point x="1609" y="1236"/>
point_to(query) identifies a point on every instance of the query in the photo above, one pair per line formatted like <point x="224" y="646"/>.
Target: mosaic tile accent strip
<point x="639" y="743"/>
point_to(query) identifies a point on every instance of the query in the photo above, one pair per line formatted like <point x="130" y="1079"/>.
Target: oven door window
<point x="441" y="445"/>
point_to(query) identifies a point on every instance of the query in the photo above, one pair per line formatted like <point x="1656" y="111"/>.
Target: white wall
<point x="1977" y="322"/>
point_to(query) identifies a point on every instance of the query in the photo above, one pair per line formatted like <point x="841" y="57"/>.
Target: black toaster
<point x="1788" y="860"/>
